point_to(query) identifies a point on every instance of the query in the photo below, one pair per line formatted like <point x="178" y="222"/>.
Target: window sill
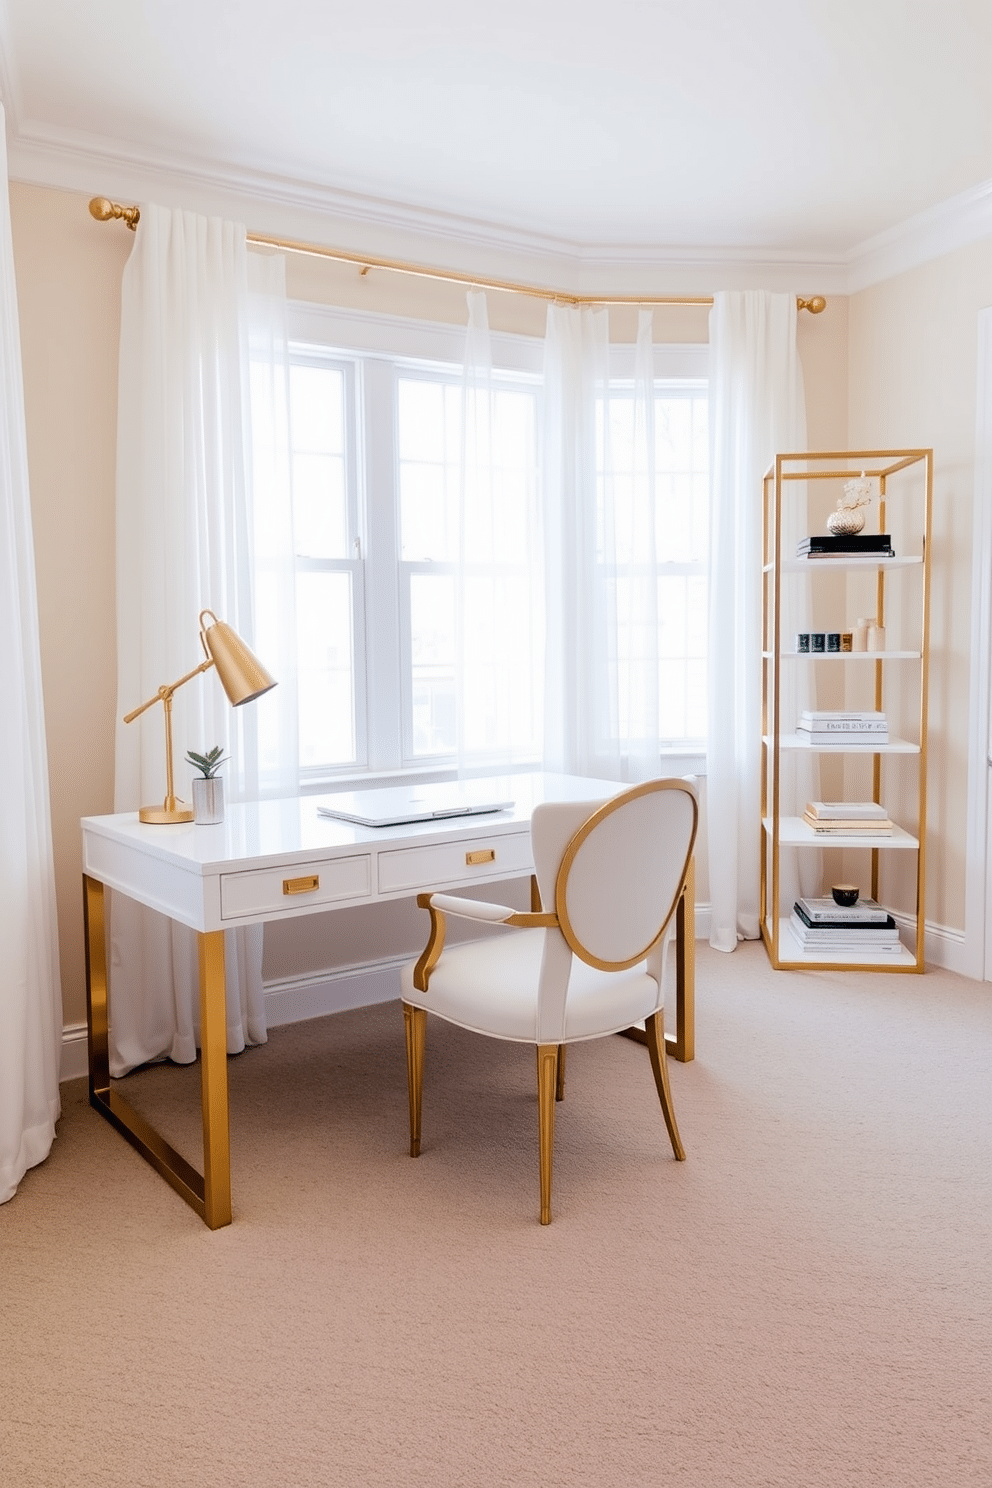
<point x="673" y="762"/>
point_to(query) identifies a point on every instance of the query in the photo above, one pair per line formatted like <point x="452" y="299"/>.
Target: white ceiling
<point x="800" y="128"/>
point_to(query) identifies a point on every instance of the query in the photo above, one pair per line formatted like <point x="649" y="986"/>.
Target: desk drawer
<point x="452" y="863"/>
<point x="302" y="886"/>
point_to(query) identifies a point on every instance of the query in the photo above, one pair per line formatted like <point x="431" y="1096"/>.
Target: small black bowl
<point x="846" y="894"/>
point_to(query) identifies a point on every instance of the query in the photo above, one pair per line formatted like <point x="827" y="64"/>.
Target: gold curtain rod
<point x="104" y="211"/>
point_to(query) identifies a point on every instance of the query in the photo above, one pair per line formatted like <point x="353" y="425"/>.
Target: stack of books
<point x="827" y="545"/>
<point x="847" y="818"/>
<point x="858" y="726"/>
<point x="821" y="925"/>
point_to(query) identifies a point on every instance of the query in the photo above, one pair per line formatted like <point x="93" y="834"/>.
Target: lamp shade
<point x="241" y="674"/>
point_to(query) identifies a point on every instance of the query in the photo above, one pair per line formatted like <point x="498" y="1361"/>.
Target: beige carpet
<point x="804" y="1302"/>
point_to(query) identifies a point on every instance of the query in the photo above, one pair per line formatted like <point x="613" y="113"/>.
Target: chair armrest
<point x="479" y="910"/>
<point x="485" y="912"/>
<point x="466" y="909"/>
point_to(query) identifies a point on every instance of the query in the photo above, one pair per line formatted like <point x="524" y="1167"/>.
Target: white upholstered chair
<point x="589" y="963"/>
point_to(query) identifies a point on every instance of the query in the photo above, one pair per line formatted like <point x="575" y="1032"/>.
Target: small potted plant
<point x="208" y="787"/>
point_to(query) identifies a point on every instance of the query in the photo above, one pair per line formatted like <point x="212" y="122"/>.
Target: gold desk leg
<point x="681" y="1044"/>
<point x="213" y="1059"/>
<point x="211" y="1200"/>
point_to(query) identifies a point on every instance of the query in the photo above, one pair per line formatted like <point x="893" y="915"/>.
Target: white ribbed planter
<point x="208" y="800"/>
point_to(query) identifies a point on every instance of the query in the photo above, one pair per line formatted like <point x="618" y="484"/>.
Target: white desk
<point x="275" y="860"/>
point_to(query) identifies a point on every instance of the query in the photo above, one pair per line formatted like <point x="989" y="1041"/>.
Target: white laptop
<point x="390" y="806"/>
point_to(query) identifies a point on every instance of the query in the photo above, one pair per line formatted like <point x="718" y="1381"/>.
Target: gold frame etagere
<point x="837" y="465"/>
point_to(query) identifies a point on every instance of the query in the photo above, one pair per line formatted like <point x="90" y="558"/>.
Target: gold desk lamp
<point x="242" y="677"/>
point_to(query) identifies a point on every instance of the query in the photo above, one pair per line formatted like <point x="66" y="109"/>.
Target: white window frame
<point x="379" y="349"/>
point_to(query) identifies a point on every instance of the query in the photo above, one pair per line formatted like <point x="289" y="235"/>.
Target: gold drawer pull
<point x="482" y="855"/>
<point x="301" y="885"/>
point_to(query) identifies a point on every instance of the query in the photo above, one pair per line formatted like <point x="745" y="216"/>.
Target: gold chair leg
<point x="547" y="1080"/>
<point x="560" y="1082"/>
<point x="655" y="1029"/>
<point x="415" y="1019"/>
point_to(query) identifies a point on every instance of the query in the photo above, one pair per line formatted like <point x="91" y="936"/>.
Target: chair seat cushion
<point x="491" y="986"/>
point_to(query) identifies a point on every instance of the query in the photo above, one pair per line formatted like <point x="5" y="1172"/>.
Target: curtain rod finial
<point x="814" y="304"/>
<point x="104" y="210"/>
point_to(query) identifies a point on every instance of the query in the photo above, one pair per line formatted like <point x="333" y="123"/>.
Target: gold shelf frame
<point x="105" y="210"/>
<point x="843" y="465"/>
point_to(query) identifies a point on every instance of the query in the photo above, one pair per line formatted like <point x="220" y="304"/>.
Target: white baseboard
<point x="295" y="999"/>
<point x="948" y="949"/>
<point x="74" y="1064"/>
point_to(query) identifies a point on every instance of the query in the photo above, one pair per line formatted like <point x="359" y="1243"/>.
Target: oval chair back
<point x="622" y="872"/>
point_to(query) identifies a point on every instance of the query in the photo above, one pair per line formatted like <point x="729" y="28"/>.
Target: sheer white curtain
<point x="600" y="552"/>
<point x="184" y="543"/>
<point x="497" y="580"/>
<point x="757" y="409"/>
<point x="274" y="751"/>
<point x="30" y="987"/>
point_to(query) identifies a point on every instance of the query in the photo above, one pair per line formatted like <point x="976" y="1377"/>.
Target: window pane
<point x="428" y="512"/>
<point x="320" y="513"/>
<point x="429" y="419"/>
<point x="682" y="625"/>
<point x="326" y="668"/>
<point x="432" y="647"/>
<point x="421" y="420"/>
<point x="317" y="404"/>
<point x="682" y="477"/>
<point x="499" y="698"/>
<point x="317" y="421"/>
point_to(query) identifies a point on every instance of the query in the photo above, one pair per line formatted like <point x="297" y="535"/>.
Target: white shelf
<point x="795" y="741"/>
<point x="789" y="950"/>
<point x="847" y="655"/>
<point x="793" y="831"/>
<point x="849" y="560"/>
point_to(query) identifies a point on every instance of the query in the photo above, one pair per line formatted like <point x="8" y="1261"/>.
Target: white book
<point x="825" y="935"/>
<point x="824" y="911"/>
<point x="844" y="725"/>
<point x="858" y="826"/>
<point x="846" y="810"/>
<point x="842" y="942"/>
<point x="852" y="715"/>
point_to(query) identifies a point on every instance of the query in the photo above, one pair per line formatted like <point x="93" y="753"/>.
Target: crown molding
<point x="309" y="211"/>
<point x="45" y="156"/>
<point x="951" y="224"/>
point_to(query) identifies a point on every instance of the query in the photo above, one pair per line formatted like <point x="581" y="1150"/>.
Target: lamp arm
<point x="164" y="696"/>
<point x="167" y="691"/>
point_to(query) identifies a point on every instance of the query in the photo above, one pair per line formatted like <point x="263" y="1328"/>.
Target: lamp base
<point x="163" y="816"/>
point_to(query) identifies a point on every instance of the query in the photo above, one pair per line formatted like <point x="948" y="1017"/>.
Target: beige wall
<point x="69" y="277"/>
<point x="913" y="356"/>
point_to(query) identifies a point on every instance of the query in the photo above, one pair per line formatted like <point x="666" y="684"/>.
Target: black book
<point x="856" y="542"/>
<point x="887" y="924"/>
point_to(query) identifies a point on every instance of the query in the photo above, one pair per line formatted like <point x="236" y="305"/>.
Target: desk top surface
<point x="255" y="832"/>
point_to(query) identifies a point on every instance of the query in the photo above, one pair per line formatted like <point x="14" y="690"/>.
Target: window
<point x="412" y="513"/>
<point x="394" y="553"/>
